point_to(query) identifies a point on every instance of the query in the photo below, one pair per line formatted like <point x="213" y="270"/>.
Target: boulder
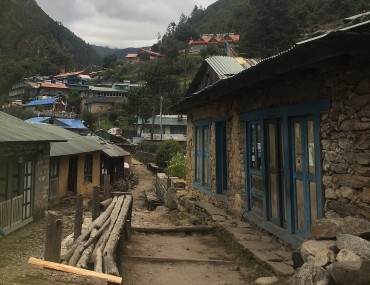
<point x="317" y="251"/>
<point x="355" y="226"/>
<point x="346" y="272"/>
<point x="355" y="244"/>
<point x="310" y="274"/>
<point x="326" y="228"/>
<point x="297" y="258"/>
<point x="365" y="272"/>
<point x="347" y="255"/>
<point x="171" y="198"/>
<point x="266" y="280"/>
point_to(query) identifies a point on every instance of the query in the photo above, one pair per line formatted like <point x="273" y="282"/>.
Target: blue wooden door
<point x="304" y="174"/>
<point x="275" y="174"/>
<point x="221" y="158"/>
<point x="256" y="185"/>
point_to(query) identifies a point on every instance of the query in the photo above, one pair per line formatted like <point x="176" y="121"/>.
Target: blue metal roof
<point x="72" y="123"/>
<point x="37" y="119"/>
<point x="47" y="101"/>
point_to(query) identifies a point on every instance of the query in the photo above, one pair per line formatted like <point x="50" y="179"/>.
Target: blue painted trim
<point x="202" y="122"/>
<point x="202" y="189"/>
<point x="308" y="108"/>
<point x="276" y="230"/>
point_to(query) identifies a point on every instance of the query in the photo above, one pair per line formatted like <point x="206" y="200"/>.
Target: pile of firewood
<point x="97" y="245"/>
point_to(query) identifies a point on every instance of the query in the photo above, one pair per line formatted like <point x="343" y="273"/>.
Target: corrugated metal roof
<point x="75" y="143"/>
<point x="224" y="66"/>
<point x="13" y="129"/>
<point x="47" y="101"/>
<point x="109" y="149"/>
<point x="67" y="123"/>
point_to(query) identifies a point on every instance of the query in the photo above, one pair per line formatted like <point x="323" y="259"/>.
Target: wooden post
<point x="106" y="187"/>
<point x="96" y="203"/>
<point x="127" y="226"/>
<point x="78" y="216"/>
<point x="53" y="243"/>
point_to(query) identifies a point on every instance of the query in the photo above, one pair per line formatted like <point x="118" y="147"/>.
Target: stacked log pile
<point x="96" y="247"/>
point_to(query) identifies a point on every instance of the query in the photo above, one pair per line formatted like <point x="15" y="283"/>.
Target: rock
<point x="365" y="272"/>
<point x="365" y="195"/>
<point x="347" y="255"/>
<point x="316" y="251"/>
<point x="355" y="226"/>
<point x="355" y="244"/>
<point x="355" y="181"/>
<point x="342" y="209"/>
<point x="346" y="272"/>
<point x="171" y="198"/>
<point x="310" y="274"/>
<point x="326" y="228"/>
<point x="266" y="280"/>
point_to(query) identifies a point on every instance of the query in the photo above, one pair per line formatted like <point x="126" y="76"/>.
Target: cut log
<point x="104" y="204"/>
<point x="98" y="233"/>
<point x="98" y="264"/>
<point x="110" y="266"/>
<point x="98" y="223"/>
<point x="85" y="256"/>
<point x="74" y="270"/>
<point x="53" y="241"/>
<point x="170" y="259"/>
<point x="104" y="237"/>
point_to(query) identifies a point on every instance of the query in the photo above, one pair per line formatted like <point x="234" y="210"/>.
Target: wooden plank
<point x="172" y="229"/>
<point x="74" y="270"/>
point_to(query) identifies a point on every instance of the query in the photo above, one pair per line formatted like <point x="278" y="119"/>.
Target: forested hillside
<point x="33" y="43"/>
<point x="266" y="26"/>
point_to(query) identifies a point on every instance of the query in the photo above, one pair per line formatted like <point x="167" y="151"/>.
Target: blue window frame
<point x="202" y="165"/>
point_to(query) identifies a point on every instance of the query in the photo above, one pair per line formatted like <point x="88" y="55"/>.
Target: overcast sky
<point x="119" y="23"/>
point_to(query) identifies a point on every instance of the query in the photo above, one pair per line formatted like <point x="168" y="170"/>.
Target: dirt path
<point x="179" y="258"/>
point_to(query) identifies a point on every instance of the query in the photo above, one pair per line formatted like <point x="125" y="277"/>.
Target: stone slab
<point x="281" y="268"/>
<point x="210" y="208"/>
<point x="266" y="255"/>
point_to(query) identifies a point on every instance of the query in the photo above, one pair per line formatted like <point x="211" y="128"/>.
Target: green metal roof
<point x="13" y="129"/>
<point x="75" y="143"/>
<point x="224" y="66"/>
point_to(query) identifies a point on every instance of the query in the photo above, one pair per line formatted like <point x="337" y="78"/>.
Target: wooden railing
<point x="11" y="212"/>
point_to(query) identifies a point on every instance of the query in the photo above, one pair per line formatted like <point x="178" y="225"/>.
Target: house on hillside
<point x="48" y="106"/>
<point x="216" y="68"/>
<point x="105" y="97"/>
<point x="173" y="127"/>
<point x="78" y="80"/>
<point x="74" y="125"/>
<point x="24" y="171"/>
<point x="24" y="89"/>
<point x="74" y="163"/>
<point x="132" y="57"/>
<point x="118" y="140"/>
<point x="196" y="45"/>
<point x="286" y="142"/>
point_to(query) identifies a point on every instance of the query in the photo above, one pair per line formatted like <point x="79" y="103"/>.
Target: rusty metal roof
<point x="13" y="129"/>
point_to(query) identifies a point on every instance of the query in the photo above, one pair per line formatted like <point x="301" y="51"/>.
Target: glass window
<point x="54" y="167"/>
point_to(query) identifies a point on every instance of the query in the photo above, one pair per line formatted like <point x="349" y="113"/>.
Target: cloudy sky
<point x="119" y="23"/>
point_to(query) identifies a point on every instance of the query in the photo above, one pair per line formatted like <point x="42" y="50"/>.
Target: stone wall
<point x="345" y="132"/>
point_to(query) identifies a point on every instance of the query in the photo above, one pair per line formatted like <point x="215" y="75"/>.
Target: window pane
<point x="300" y="204"/>
<point x="311" y="147"/>
<point x="272" y="153"/>
<point x="252" y="144"/>
<point x="259" y="150"/>
<point x="313" y="201"/>
<point x="274" y="198"/>
<point x="298" y="146"/>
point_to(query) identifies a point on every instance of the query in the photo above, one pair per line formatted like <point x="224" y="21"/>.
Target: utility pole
<point x="160" y="116"/>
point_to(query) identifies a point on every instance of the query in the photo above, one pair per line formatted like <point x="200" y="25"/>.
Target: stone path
<point x="250" y="239"/>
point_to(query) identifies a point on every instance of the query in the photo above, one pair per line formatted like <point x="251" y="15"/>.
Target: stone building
<point x="24" y="171"/>
<point x="287" y="141"/>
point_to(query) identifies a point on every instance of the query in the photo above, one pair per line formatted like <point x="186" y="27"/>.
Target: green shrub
<point x="165" y="151"/>
<point x="177" y="166"/>
<point x="147" y="146"/>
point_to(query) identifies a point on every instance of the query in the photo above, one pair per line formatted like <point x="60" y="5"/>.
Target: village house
<point x="74" y="163"/>
<point x="78" y="81"/>
<point x="74" y="125"/>
<point x="172" y="127"/>
<point x="24" y="171"/>
<point x="286" y="142"/>
<point x="105" y="97"/>
<point x="196" y="45"/>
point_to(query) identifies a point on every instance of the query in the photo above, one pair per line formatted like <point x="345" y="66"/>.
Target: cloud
<point x="118" y="23"/>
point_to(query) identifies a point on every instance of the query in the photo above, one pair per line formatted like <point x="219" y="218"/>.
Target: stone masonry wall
<point x="345" y="132"/>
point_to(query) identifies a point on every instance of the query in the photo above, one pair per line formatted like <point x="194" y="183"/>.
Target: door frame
<point x="222" y="170"/>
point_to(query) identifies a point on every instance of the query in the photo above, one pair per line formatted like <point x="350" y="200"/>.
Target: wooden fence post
<point x="78" y="216"/>
<point x="106" y="186"/>
<point x="96" y="203"/>
<point x="53" y="243"/>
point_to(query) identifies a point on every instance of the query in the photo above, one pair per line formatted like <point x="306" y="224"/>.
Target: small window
<point x="88" y="167"/>
<point x="54" y="167"/>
